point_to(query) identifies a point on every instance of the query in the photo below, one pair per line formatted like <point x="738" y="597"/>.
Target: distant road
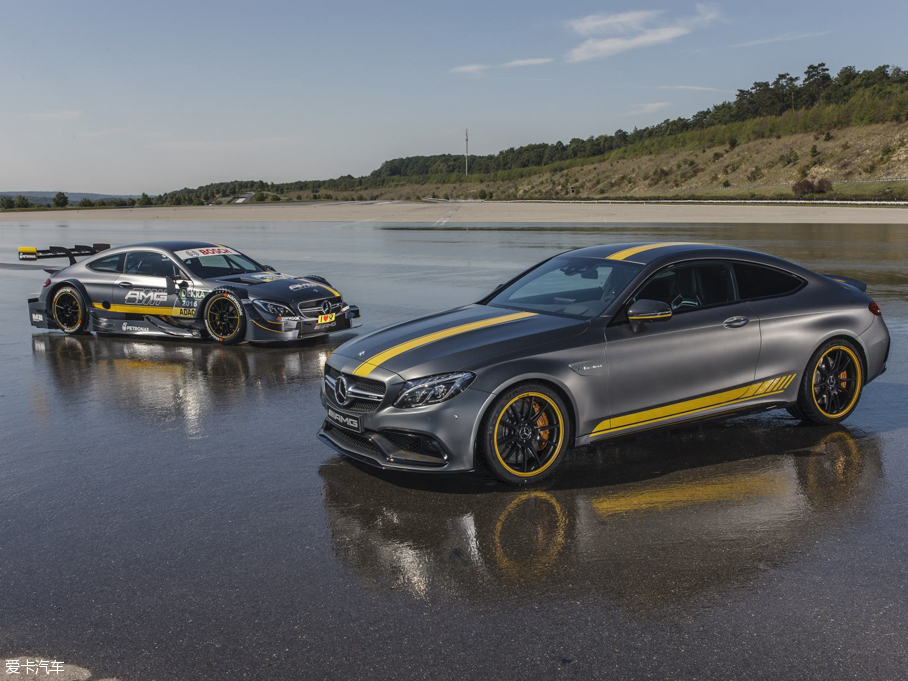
<point x="453" y="212"/>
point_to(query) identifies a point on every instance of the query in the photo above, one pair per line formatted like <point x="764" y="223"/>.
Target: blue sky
<point x="128" y="97"/>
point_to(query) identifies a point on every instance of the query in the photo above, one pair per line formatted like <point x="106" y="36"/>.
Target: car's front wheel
<point x="831" y="385"/>
<point x="225" y="319"/>
<point x="524" y="435"/>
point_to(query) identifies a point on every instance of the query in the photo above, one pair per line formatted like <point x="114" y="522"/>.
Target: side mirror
<point x="171" y="286"/>
<point x="645" y="311"/>
<point x="268" y="268"/>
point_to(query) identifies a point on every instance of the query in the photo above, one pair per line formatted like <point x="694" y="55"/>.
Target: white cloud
<point x="643" y="109"/>
<point x="56" y="115"/>
<point x="622" y="22"/>
<point x="102" y="133"/>
<point x="783" y="38"/>
<point x="535" y="61"/>
<point x="638" y="29"/>
<point x="470" y="69"/>
<point x="693" y="88"/>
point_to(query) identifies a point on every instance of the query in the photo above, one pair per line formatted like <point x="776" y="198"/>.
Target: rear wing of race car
<point x="848" y="281"/>
<point x="31" y="253"/>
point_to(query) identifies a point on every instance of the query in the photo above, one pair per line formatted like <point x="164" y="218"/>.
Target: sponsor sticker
<point x="36" y="317"/>
<point x="146" y="296"/>
<point x="132" y="327"/>
<point x="299" y="287"/>
<point x="326" y="318"/>
<point x="201" y="252"/>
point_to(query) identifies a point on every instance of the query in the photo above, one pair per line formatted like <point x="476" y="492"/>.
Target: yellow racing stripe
<point x="630" y="252"/>
<point x="688" y="407"/>
<point x="318" y="283"/>
<point x="155" y="310"/>
<point x="375" y="361"/>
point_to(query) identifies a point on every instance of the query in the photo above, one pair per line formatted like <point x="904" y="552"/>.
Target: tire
<point x="831" y="385"/>
<point x="225" y="319"/>
<point x="69" y="311"/>
<point x="519" y="446"/>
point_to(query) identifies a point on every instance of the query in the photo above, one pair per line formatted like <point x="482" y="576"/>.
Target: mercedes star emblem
<point x="341" y="390"/>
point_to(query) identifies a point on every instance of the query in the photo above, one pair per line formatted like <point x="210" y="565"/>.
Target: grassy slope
<point x="755" y="168"/>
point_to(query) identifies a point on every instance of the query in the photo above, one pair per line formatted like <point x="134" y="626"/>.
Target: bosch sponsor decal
<point x="36" y="317"/>
<point x="146" y="296"/>
<point x="202" y="252"/>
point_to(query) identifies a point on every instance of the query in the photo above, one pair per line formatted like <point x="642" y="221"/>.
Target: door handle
<point x="124" y="284"/>
<point x="736" y="322"/>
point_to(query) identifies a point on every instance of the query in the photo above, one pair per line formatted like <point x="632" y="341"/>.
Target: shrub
<point x="827" y="136"/>
<point x="803" y="187"/>
<point x="814" y="151"/>
<point x="726" y="183"/>
<point x="823" y="186"/>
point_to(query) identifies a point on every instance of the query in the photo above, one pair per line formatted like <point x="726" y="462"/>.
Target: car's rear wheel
<point x="831" y="385"/>
<point x="524" y="435"/>
<point x="225" y="319"/>
<point x="68" y="309"/>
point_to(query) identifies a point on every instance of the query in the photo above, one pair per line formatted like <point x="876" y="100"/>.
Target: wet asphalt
<point x="167" y="513"/>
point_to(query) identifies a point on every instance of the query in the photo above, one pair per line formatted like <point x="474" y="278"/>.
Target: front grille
<point x="370" y="392"/>
<point x="313" y="308"/>
<point x="346" y="438"/>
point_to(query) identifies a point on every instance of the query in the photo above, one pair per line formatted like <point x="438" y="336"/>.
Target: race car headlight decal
<point x="433" y="389"/>
<point x="272" y="308"/>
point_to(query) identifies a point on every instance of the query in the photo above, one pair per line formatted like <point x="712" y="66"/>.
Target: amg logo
<point x="146" y="296"/>
<point x="130" y="327"/>
<point x="345" y="421"/>
<point x="37" y="317"/>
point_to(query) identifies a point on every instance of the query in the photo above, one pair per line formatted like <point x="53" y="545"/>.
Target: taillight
<point x="46" y="283"/>
<point x="874" y="308"/>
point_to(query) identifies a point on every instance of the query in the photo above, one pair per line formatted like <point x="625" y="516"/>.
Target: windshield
<point x="216" y="262"/>
<point x="569" y="286"/>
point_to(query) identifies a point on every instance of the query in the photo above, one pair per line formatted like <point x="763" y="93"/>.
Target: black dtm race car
<point x="188" y="289"/>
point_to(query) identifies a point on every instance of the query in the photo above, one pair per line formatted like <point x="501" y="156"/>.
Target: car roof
<point x="662" y="252"/>
<point x="171" y="245"/>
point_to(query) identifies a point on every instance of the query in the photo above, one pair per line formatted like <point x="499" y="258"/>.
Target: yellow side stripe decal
<point x="27" y="249"/>
<point x="727" y="397"/>
<point x="375" y="361"/>
<point x="144" y="309"/>
<point x="629" y="252"/>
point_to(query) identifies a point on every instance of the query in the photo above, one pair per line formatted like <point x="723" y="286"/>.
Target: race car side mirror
<point x="646" y="311"/>
<point x="268" y="268"/>
<point x="171" y="286"/>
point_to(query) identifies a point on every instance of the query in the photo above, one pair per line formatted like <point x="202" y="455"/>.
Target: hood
<point x="457" y="340"/>
<point x="279" y="287"/>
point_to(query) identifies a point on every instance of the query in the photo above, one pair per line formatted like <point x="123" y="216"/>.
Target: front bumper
<point x="438" y="438"/>
<point x="263" y="330"/>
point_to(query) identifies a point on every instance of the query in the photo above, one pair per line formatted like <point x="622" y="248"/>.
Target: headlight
<point x="433" y="389"/>
<point x="272" y="308"/>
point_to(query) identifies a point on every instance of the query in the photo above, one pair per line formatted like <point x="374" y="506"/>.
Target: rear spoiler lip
<point x="32" y="253"/>
<point x="848" y="281"/>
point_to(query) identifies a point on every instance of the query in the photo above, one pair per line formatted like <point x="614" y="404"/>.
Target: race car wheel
<point x="68" y="310"/>
<point x="224" y="318"/>
<point x="831" y="385"/>
<point x="524" y="435"/>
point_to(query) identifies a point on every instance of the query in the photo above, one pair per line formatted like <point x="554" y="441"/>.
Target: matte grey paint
<point x="603" y="367"/>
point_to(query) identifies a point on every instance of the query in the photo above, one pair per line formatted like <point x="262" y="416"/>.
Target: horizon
<point x="289" y="93"/>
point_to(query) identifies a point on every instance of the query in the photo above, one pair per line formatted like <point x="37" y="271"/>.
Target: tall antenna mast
<point x="466" y="158"/>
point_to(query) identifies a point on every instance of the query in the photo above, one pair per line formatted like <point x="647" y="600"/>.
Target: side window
<point x="690" y="287"/>
<point x="715" y="286"/>
<point x="150" y="264"/>
<point x="110" y="263"/>
<point x="756" y="281"/>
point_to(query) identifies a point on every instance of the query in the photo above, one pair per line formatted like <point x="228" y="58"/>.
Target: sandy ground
<point x="476" y="212"/>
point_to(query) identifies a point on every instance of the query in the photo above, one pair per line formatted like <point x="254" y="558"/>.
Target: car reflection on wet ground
<point x="165" y="510"/>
